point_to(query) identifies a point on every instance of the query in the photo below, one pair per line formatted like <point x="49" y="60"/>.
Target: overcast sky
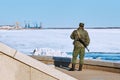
<point x="61" y="13"/>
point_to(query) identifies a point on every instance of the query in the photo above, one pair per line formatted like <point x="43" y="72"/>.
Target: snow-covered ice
<point x="102" y="40"/>
<point x="50" y="52"/>
<point x="56" y="42"/>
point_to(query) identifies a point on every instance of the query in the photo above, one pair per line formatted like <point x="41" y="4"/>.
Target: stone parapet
<point x="18" y="66"/>
<point x="88" y="63"/>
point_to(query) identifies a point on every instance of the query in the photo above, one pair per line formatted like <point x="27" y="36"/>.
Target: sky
<point x="61" y="13"/>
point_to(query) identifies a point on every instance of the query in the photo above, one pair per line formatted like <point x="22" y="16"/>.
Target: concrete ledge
<point x="41" y="66"/>
<point x="35" y="65"/>
<point x="102" y="63"/>
<point x="7" y="50"/>
<point x="88" y="64"/>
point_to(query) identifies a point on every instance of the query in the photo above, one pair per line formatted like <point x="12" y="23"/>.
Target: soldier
<point x="79" y="48"/>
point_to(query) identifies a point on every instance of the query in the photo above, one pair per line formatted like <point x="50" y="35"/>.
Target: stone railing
<point x="88" y="63"/>
<point x="18" y="66"/>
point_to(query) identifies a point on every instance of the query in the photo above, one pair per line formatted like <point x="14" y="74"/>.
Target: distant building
<point x="33" y="26"/>
<point x="7" y="27"/>
<point x="17" y="25"/>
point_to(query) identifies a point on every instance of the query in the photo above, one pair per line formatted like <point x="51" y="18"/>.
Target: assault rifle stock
<point x="83" y="44"/>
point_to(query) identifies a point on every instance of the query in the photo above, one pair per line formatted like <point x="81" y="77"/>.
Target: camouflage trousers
<point x="78" y="51"/>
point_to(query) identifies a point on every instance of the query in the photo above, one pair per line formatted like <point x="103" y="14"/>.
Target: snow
<point x="102" y="40"/>
<point x="49" y="52"/>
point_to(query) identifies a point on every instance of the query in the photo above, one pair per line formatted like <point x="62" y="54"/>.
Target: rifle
<point x="83" y="44"/>
<point x="80" y="40"/>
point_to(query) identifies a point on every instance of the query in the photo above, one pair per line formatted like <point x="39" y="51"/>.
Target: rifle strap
<point x="79" y="38"/>
<point x="82" y="41"/>
<point x="78" y="34"/>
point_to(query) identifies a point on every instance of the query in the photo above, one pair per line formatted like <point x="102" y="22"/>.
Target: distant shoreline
<point x="61" y="28"/>
<point x="88" y="28"/>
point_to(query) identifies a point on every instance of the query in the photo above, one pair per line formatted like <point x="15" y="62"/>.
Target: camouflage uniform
<point x="79" y="48"/>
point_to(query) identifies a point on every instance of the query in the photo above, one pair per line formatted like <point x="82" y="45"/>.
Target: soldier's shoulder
<point x="85" y="30"/>
<point x="74" y="30"/>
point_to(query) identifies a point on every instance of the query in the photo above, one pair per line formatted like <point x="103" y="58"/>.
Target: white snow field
<point x="102" y="40"/>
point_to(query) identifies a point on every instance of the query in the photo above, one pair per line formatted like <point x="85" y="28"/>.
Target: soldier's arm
<point x="87" y="40"/>
<point x="72" y="36"/>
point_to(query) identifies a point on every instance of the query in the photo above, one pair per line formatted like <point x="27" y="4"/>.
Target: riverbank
<point x="90" y="74"/>
<point x="92" y="70"/>
<point x="15" y="62"/>
<point x="88" y="64"/>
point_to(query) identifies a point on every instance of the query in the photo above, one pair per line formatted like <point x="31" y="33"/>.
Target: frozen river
<point x="102" y="40"/>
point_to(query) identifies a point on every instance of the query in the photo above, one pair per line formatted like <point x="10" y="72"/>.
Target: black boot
<point x="73" y="67"/>
<point x="80" y="67"/>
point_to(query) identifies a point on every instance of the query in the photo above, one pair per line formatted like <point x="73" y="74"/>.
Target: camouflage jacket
<point x="83" y="36"/>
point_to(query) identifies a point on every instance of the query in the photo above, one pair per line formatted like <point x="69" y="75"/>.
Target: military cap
<point x="81" y="24"/>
